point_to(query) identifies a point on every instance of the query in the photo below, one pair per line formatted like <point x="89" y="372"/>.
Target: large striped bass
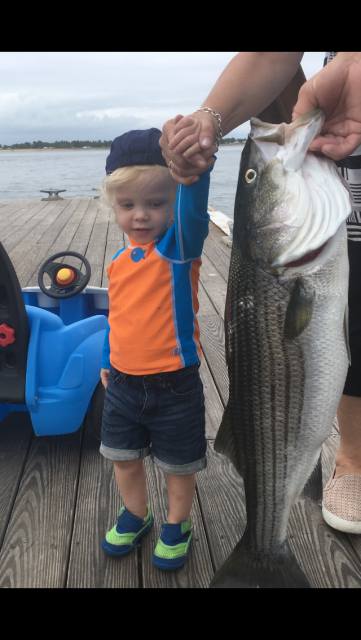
<point x="286" y="339"/>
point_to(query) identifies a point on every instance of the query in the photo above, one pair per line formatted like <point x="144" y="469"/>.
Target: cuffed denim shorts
<point x="161" y="415"/>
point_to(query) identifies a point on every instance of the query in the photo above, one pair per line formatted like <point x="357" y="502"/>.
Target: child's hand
<point x="104" y="376"/>
<point x="189" y="129"/>
<point x="192" y="136"/>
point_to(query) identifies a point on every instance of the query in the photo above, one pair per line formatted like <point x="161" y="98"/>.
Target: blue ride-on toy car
<point x="51" y="342"/>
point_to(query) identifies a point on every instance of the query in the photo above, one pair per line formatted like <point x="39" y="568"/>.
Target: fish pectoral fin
<point x="346" y="334"/>
<point x="299" y="310"/>
<point x="224" y="442"/>
<point x="313" y="486"/>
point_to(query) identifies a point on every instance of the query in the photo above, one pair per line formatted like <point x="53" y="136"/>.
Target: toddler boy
<point x="154" y="402"/>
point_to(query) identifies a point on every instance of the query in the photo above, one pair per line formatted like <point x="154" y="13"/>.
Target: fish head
<point x="289" y="201"/>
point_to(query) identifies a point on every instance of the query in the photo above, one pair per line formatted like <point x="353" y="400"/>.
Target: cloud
<point x="66" y="96"/>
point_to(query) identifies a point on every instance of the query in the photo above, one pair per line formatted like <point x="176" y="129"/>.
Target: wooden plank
<point x="197" y="571"/>
<point x="16" y="432"/>
<point x="212" y="342"/>
<point x="216" y="234"/>
<point x="63" y="240"/>
<point x="19" y="242"/>
<point x="52" y="232"/>
<point x="34" y="257"/>
<point x="97" y="509"/>
<point x="206" y="308"/>
<point x="217" y="257"/>
<point x="36" y="545"/>
<point x="213" y="404"/>
<point x="47" y="238"/>
<point x="11" y="208"/>
<point x="81" y="238"/>
<point x="221" y="496"/>
<point x="10" y="222"/>
<point x="325" y="554"/>
<point x="96" y="247"/>
<point x="214" y="284"/>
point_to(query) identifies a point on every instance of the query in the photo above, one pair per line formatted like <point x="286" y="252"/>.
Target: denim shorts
<point x="161" y="415"/>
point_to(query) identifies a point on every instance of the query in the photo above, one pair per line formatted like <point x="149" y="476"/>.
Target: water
<point x="24" y="173"/>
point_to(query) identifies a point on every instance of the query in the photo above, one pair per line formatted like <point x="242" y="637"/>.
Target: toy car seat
<point x="14" y="334"/>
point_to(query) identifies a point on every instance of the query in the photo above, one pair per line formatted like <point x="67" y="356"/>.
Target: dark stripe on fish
<point x="270" y="339"/>
<point x="287" y="392"/>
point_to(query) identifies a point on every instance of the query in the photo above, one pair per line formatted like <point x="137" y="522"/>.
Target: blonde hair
<point x="123" y="175"/>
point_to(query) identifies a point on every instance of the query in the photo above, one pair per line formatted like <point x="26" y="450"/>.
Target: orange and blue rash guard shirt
<point x="153" y="293"/>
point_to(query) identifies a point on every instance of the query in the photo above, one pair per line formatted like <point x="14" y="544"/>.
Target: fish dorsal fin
<point x="224" y="442"/>
<point x="299" y="310"/>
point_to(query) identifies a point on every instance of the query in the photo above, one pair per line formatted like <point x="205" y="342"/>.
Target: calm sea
<point x="24" y="173"/>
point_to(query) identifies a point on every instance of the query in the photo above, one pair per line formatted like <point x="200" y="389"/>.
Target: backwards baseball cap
<point x="135" y="147"/>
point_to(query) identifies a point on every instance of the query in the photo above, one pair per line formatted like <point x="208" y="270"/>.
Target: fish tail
<point x="245" y="570"/>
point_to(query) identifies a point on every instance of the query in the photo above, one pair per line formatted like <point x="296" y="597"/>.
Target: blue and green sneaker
<point x="126" y="533"/>
<point x="172" y="548"/>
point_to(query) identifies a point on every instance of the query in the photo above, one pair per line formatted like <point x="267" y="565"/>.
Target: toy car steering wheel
<point x="64" y="276"/>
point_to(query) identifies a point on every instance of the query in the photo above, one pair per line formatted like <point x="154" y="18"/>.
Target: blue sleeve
<point x="191" y="217"/>
<point x="185" y="238"/>
<point x="106" y="347"/>
<point x="106" y="350"/>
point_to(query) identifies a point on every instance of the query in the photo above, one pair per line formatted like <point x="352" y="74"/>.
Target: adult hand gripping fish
<point x="286" y="339"/>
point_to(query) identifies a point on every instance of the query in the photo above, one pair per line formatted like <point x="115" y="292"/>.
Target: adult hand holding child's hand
<point x="182" y="134"/>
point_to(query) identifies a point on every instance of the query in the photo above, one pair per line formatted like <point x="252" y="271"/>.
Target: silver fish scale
<point x="283" y="395"/>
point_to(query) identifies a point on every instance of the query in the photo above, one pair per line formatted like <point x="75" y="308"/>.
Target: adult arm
<point x="336" y="89"/>
<point x="247" y="85"/>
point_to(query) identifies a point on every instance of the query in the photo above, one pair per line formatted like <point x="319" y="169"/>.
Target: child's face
<point x="144" y="208"/>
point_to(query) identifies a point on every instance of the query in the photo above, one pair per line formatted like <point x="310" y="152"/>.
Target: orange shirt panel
<point x="141" y="322"/>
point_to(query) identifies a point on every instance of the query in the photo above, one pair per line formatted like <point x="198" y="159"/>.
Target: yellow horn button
<point x="64" y="275"/>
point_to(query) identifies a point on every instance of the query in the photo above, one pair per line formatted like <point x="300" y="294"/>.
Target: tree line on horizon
<point x="231" y="140"/>
<point x="62" y="144"/>
<point x="79" y="144"/>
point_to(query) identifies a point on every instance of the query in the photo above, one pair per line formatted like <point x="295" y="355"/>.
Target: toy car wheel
<point x="96" y="409"/>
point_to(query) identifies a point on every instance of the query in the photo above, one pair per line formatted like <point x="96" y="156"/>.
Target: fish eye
<point x="251" y="175"/>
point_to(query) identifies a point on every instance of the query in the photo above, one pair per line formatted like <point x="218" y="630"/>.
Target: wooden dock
<point x="58" y="495"/>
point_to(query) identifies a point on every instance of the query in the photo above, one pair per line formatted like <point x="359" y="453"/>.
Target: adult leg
<point x="180" y="495"/>
<point x="348" y="459"/>
<point x="131" y="481"/>
<point x="341" y="505"/>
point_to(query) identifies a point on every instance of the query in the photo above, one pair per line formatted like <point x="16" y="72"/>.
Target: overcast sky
<point x="91" y="96"/>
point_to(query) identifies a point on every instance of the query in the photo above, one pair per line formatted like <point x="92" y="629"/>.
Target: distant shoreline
<point x="62" y="149"/>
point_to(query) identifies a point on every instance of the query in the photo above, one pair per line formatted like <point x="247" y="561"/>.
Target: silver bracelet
<point x="218" y="118"/>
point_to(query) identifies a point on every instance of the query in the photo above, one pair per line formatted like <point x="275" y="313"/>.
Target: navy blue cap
<point x="135" y="147"/>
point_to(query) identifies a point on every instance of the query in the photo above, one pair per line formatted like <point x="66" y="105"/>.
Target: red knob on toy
<point x="65" y="276"/>
<point x="7" y="335"/>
